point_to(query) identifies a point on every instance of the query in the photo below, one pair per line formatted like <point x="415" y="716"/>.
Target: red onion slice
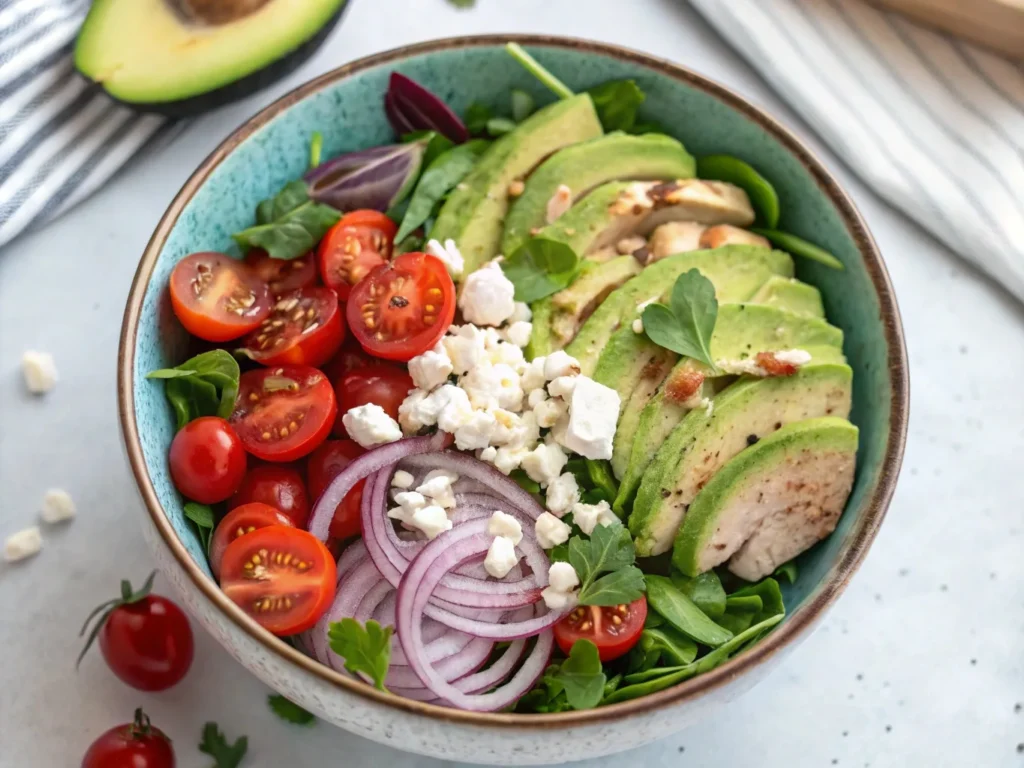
<point x="450" y="668"/>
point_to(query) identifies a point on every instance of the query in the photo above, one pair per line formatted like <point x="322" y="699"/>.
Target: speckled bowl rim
<point x="796" y="624"/>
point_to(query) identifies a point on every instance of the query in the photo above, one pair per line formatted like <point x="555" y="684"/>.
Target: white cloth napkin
<point x="935" y="125"/>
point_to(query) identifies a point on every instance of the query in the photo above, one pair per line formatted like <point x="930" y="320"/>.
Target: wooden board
<point x="996" y="24"/>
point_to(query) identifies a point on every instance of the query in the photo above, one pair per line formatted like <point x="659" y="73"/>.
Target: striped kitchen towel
<point x="60" y="137"/>
<point x="935" y="125"/>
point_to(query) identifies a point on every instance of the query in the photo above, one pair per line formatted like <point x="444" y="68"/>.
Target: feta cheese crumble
<point x="562" y="386"/>
<point x="796" y="357"/>
<point x="519" y="333"/>
<point x="432" y="368"/>
<point x="560" y="363"/>
<point x="563" y="492"/>
<point x="437" y="486"/>
<point x="593" y="413"/>
<point x="544" y="463"/>
<point x="487" y="296"/>
<point x="502" y="524"/>
<point x="23" y="544"/>
<point x="450" y="256"/>
<point x="402" y="479"/>
<point x="551" y="531"/>
<point x="39" y="371"/>
<point x="369" y="425"/>
<point x="432" y="520"/>
<point x="638" y="326"/>
<point x="588" y="516"/>
<point x="501" y="557"/>
<point x="562" y="582"/>
<point x="58" y="506"/>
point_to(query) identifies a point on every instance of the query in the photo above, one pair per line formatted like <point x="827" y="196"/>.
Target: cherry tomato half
<point x="147" y="643"/>
<point x="207" y="460"/>
<point x="359" y="242"/>
<point x="401" y="309"/>
<point x="240" y="521"/>
<point x="282" y="275"/>
<point x="325" y="464"/>
<point x="383" y="384"/>
<point x="304" y="328"/>
<point x="278" y="486"/>
<point x="132" y="745"/>
<point x="614" y="629"/>
<point x="216" y="298"/>
<point x="282" y="577"/>
<point x="282" y="414"/>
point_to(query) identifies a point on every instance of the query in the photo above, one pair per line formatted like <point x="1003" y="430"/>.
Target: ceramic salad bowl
<point x="345" y="106"/>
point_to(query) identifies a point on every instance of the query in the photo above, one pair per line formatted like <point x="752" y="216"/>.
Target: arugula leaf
<point x="735" y="171"/>
<point x="499" y="126"/>
<point x="582" y="677"/>
<point x="441" y="176"/>
<point x="787" y="571"/>
<point x="316" y="148"/>
<point x="291" y="234"/>
<point x="289" y="711"/>
<point x="202" y="516"/>
<point x="799" y="247"/>
<point x="681" y="613"/>
<point x="687" y="325"/>
<point x="705" y="591"/>
<point x="292" y="195"/>
<point x="205" y="385"/>
<point x="366" y="649"/>
<point x="608" y="550"/>
<point x="216" y="746"/>
<point x="477" y="115"/>
<point x="522" y="104"/>
<point x="540" y="267"/>
<point x="617" y="102"/>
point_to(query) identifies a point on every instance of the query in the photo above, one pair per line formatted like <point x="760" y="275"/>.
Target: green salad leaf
<point x="499" y="126"/>
<point x="672" y="646"/>
<point x="531" y="65"/>
<point x="205" y="385"/>
<point x="291" y="234"/>
<point x="679" y="611"/>
<point x="289" y="711"/>
<point x="316" y="148"/>
<point x="476" y="118"/>
<point x="581" y="676"/>
<point x="600" y="474"/>
<point x="735" y="171"/>
<point x="787" y="571"/>
<point x="705" y="591"/>
<point x="202" y="516"/>
<point x="799" y="247"/>
<point x="686" y="325"/>
<point x="609" y="551"/>
<point x="365" y="648"/>
<point x="292" y="195"/>
<point x="540" y="267"/>
<point x="216" y="745"/>
<point x="523" y="104"/>
<point x="617" y="102"/>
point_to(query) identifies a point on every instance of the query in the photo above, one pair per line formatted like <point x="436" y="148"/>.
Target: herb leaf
<point x="617" y="102"/>
<point x="441" y="176"/>
<point x="582" y="677"/>
<point x="671" y="645"/>
<point x="705" y="591"/>
<point x="614" y="588"/>
<point x="540" y="267"/>
<point x="681" y="613"/>
<point x="205" y="385"/>
<point x="289" y="711"/>
<point x="292" y="195"/>
<point x="366" y="649"/>
<point x="499" y="126"/>
<point x="477" y="115"/>
<point x="608" y="550"/>
<point x="787" y="571"/>
<point x="316" y="148"/>
<point x="735" y="171"/>
<point x="202" y="516"/>
<point x="799" y="247"/>
<point x="216" y="746"/>
<point x="687" y="324"/>
<point x="292" y="234"/>
<point x="522" y="104"/>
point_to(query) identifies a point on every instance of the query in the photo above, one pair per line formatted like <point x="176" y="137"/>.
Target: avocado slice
<point x="595" y="222"/>
<point x="586" y="165"/>
<point x="474" y="213"/>
<point x="736" y="270"/>
<point x="772" y="501"/>
<point x="182" y="57"/>
<point x="703" y="442"/>
<point x="790" y="294"/>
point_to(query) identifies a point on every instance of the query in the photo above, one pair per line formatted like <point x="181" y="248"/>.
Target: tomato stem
<point x="103" y="610"/>
<point x="140" y="726"/>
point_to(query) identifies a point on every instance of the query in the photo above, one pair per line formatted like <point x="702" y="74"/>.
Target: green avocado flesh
<point x="587" y="165"/>
<point x="772" y="501"/>
<point x="475" y="212"/>
<point x="737" y="271"/>
<point x="144" y="51"/>
<point x="703" y="442"/>
<point x="792" y="295"/>
<point x="591" y="223"/>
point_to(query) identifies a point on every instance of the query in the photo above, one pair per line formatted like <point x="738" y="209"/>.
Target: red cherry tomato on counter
<point x="132" y="745"/>
<point x="305" y="327"/>
<point x="351" y="248"/>
<point x="285" y="594"/>
<point x="282" y="275"/>
<point x="278" y="486"/>
<point x="216" y="298"/>
<point x="401" y="309"/>
<point x="325" y="464"/>
<point x="282" y="414"/>
<point x="240" y="521"/>
<point x="614" y="629"/>
<point x="207" y="460"/>
<point x="383" y="384"/>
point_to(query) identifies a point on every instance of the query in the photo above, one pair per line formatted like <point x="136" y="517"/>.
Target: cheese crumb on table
<point x="23" y="544"/>
<point x="58" y="506"/>
<point x="39" y="370"/>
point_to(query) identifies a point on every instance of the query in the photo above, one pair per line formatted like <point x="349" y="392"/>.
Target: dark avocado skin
<point x="248" y="85"/>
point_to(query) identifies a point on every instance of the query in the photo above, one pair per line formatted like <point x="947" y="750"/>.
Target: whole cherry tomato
<point x="279" y="485"/>
<point x="207" y="460"/>
<point x="133" y="745"/>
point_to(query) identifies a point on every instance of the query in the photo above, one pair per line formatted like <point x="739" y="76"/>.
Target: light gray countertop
<point x="921" y="662"/>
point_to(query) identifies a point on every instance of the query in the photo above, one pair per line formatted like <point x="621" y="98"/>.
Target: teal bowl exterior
<point x="345" y="106"/>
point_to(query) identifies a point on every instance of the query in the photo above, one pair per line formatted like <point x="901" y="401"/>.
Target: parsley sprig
<point x="686" y="324"/>
<point x="289" y="711"/>
<point x="605" y="565"/>
<point x="216" y="745"/>
<point x="366" y="649"/>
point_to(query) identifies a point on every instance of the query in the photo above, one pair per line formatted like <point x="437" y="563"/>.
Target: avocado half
<point x="183" y="57"/>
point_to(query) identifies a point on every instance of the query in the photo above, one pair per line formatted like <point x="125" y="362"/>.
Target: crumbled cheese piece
<point x="370" y="425"/>
<point x="501" y="557"/>
<point x="522" y="313"/>
<point x="559" y="203"/>
<point x="796" y="357"/>
<point x="40" y="372"/>
<point x="536" y="397"/>
<point x="558" y="601"/>
<point x="508" y="458"/>
<point x="506" y="353"/>
<point x="450" y="256"/>
<point x="431" y="520"/>
<point x="533" y="376"/>
<point x="23" y="544"/>
<point x="560" y="363"/>
<point x="519" y="333"/>
<point x="487" y="296"/>
<point x="465" y="346"/>
<point x="551" y="531"/>
<point x="58" y="506"/>
<point x="476" y="432"/>
<point x="402" y="479"/>
<point x="432" y="368"/>
<point x="562" y="386"/>
<point x="709" y="406"/>
<point x="409" y="502"/>
<point x="550" y="411"/>
<point x="489" y="453"/>
<point x="638" y="326"/>
<point x="453" y="408"/>
<point x="544" y="463"/>
<point x="563" y="492"/>
<point x="587" y="516"/>
<point x="738" y="367"/>
<point x="502" y="524"/>
<point x="593" y="413"/>
<point x="563" y="577"/>
<point x="644" y="305"/>
<point x="493" y="386"/>
<point x="437" y="486"/>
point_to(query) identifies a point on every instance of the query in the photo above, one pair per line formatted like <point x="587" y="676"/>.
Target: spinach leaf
<point x="675" y="647"/>
<point x="787" y="571"/>
<point x="477" y="115"/>
<point x="292" y="195"/>
<point x="617" y="102"/>
<point x="687" y="324"/>
<point x="205" y="385"/>
<point x="437" y="144"/>
<point x="760" y="191"/>
<point x="291" y="234"/>
<point x="499" y="126"/>
<point x="608" y="550"/>
<point x="522" y="104"/>
<point x="441" y="176"/>
<point x="600" y="474"/>
<point x="799" y="247"/>
<point x="705" y="591"/>
<point x="612" y="685"/>
<point x="540" y="267"/>
<point x="682" y="614"/>
<point x="582" y="677"/>
<point x="365" y="648"/>
<point x="770" y="595"/>
<point x="524" y="481"/>
<point x="202" y="516"/>
<point x="316" y="148"/>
